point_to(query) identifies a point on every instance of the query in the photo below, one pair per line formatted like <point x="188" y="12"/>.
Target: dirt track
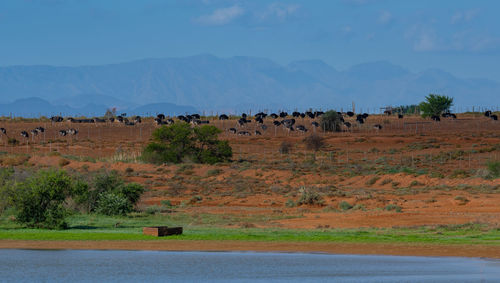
<point x="333" y="248"/>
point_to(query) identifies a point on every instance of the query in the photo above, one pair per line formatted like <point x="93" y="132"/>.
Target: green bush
<point x="39" y="200"/>
<point x="391" y="207"/>
<point x="330" y="121"/>
<point x="493" y="169"/>
<point x="88" y="196"/>
<point x="344" y="205"/>
<point x="435" y="105"/>
<point x="177" y="142"/>
<point x="112" y="204"/>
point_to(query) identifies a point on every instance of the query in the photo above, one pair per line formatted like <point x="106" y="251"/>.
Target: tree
<point x="39" y="200"/>
<point x="330" y="121"/>
<point x="179" y="141"/>
<point x="435" y="105"/>
<point x="314" y="143"/>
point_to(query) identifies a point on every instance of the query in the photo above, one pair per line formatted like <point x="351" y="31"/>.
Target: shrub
<point x="309" y="197"/>
<point x="12" y="141"/>
<point x="63" y="162"/>
<point x="285" y="147"/>
<point x="330" y="121"/>
<point x="391" y="207"/>
<point x="372" y="181"/>
<point x="177" y="142"/>
<point x="493" y="169"/>
<point x="461" y="200"/>
<point x="88" y="196"/>
<point x="39" y="200"/>
<point x="112" y="204"/>
<point x="314" y="143"/>
<point x="213" y="172"/>
<point x="166" y="203"/>
<point x="344" y="205"/>
<point x="290" y="203"/>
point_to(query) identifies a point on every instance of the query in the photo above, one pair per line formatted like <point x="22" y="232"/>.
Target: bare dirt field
<point x="413" y="172"/>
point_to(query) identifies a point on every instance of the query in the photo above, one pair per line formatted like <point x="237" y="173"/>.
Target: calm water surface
<point x="138" y="266"/>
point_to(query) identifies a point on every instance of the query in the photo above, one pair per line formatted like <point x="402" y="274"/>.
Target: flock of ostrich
<point x="245" y="125"/>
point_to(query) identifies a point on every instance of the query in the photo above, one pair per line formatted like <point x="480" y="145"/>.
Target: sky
<point x="458" y="36"/>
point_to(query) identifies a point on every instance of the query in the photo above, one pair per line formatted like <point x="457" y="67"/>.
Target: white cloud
<point x="385" y="17"/>
<point x="221" y="16"/>
<point x="423" y="37"/>
<point x="278" y="11"/>
<point x="464" y="16"/>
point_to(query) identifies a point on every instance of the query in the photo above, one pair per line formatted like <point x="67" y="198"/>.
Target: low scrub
<point x="309" y="196"/>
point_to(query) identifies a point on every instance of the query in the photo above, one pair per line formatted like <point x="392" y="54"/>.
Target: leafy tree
<point x="39" y="200"/>
<point x="330" y="121"/>
<point x="179" y="141"/>
<point x="435" y="105"/>
<point x="106" y="182"/>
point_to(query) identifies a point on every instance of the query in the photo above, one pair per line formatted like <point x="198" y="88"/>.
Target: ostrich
<point x="302" y="129"/>
<point x="257" y="133"/>
<point x="259" y="120"/>
<point x="276" y="123"/>
<point x="288" y="122"/>
<point x="274" y="116"/>
<point x="436" y="118"/>
<point x="296" y="114"/>
<point x="160" y="116"/>
<point x="244" y="133"/>
<point x="223" y="117"/>
<point x="360" y="119"/>
<point x="262" y="115"/>
<point x="283" y="114"/>
<point x="318" y="113"/>
<point x="350" y="113"/>
<point x="487" y="113"/>
<point x="25" y="134"/>
<point x="400" y="116"/>
<point x="347" y="124"/>
<point x="137" y="119"/>
<point x="377" y="127"/>
<point x="63" y="133"/>
<point x="232" y="130"/>
<point x="494" y="117"/>
<point x="3" y="131"/>
<point x="310" y="114"/>
<point x="315" y="124"/>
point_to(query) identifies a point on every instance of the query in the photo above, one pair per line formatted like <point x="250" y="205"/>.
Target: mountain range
<point x="209" y="83"/>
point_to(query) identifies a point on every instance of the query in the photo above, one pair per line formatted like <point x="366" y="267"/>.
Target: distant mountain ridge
<point x="206" y="82"/>
<point x="34" y="107"/>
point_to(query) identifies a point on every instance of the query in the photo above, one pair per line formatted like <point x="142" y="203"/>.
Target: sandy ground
<point x="332" y="248"/>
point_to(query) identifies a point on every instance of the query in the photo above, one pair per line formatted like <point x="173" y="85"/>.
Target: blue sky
<point x="462" y="37"/>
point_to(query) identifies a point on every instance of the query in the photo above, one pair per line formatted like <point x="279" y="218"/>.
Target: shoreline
<point x="477" y="251"/>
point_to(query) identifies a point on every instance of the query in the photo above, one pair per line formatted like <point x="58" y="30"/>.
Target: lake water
<point x="160" y="266"/>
